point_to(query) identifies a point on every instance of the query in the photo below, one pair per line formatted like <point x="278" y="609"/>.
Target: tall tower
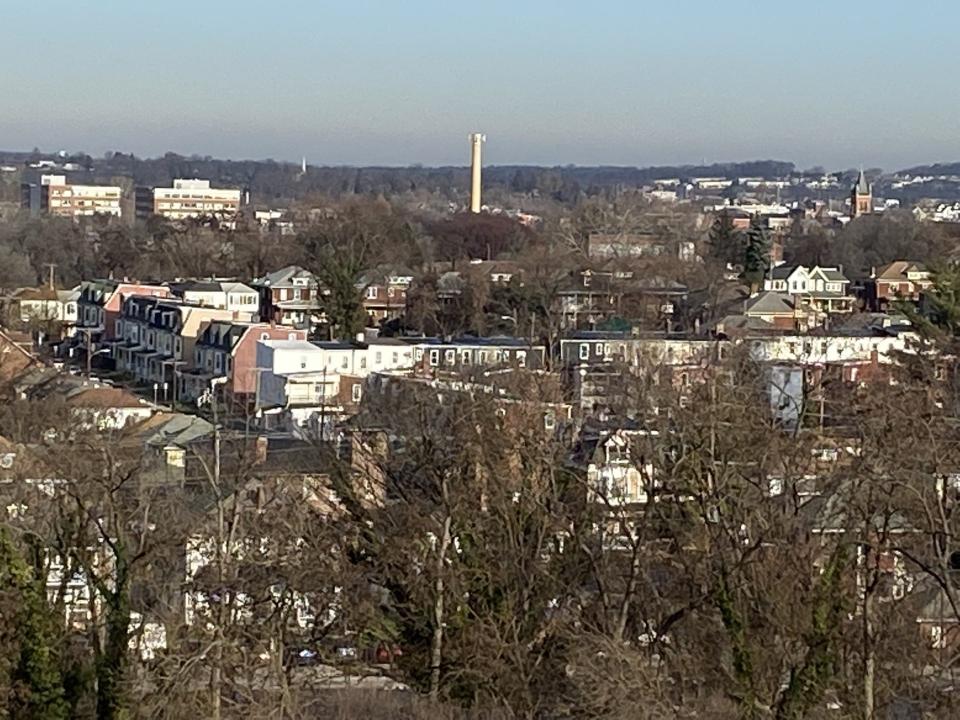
<point x="861" y="197"/>
<point x="476" y="165"/>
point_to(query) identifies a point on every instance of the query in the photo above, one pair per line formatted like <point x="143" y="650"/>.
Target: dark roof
<point x="862" y="187"/>
<point x="770" y="302"/>
<point x="782" y="272"/>
<point x="195" y="286"/>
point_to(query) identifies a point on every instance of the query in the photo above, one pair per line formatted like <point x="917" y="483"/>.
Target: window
<point x="372" y="292"/>
<point x="390" y="292"/>
<point x="266" y="336"/>
<point x="466" y="357"/>
<point x="418" y="354"/>
<point x="303" y="362"/>
<point x="296" y="294"/>
<point x="396" y="358"/>
<point x="450" y="357"/>
<point x="482" y="357"/>
<point x="434" y="357"/>
<point x="378" y="357"/>
<point x="584" y="351"/>
<point x="522" y="358"/>
<point x="356" y="392"/>
<point x="549" y="420"/>
<point x="290" y="336"/>
<point x="345" y="363"/>
<point x="363" y="362"/>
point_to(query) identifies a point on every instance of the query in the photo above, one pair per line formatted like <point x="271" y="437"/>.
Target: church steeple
<point x="861" y="197"/>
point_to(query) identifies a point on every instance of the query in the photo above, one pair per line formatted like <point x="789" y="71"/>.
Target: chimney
<point x="476" y="145"/>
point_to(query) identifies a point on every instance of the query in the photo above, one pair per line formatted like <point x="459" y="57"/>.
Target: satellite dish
<point x="6" y="461"/>
<point x="50" y="436"/>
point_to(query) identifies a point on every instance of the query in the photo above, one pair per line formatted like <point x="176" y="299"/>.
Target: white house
<point x="242" y="300"/>
<point x="823" y="288"/>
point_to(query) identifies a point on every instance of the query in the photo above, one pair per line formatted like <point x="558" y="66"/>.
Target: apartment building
<point x="189" y="199"/>
<point x="55" y="196"/>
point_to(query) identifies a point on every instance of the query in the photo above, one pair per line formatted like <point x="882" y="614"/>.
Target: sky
<point x="551" y="82"/>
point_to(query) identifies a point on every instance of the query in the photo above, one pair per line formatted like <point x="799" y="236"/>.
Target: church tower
<point x="861" y="197"/>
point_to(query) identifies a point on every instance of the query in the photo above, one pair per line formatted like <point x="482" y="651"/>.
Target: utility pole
<point x="89" y="352"/>
<point x="51" y="267"/>
<point x="216" y="680"/>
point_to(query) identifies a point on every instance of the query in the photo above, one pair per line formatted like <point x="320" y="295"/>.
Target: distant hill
<point x="936" y="169"/>
<point x="270" y="180"/>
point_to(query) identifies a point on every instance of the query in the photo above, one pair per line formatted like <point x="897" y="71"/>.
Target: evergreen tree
<point x="756" y="256"/>
<point x="35" y="677"/>
<point x="726" y="242"/>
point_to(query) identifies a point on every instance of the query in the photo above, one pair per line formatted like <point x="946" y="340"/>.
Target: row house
<point x="99" y="305"/>
<point x="881" y="345"/>
<point x="594" y="362"/>
<point x="225" y="356"/>
<point x="290" y="296"/>
<point x="825" y="289"/>
<point x="155" y="338"/>
<point x="598" y="347"/>
<point x="242" y="300"/>
<point x="467" y="353"/>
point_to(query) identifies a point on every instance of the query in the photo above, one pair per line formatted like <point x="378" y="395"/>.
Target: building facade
<point x="189" y="200"/>
<point x="55" y="196"/>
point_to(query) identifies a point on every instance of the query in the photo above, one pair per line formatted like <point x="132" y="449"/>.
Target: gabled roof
<point x="105" y="398"/>
<point x="782" y="272"/>
<point x="898" y="269"/>
<point x="862" y="187"/>
<point x="164" y="429"/>
<point x="283" y="276"/>
<point x="830" y="273"/>
<point x="770" y="303"/>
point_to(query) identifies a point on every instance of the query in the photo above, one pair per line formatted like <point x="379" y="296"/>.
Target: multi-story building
<point x="99" y="308"/>
<point x="55" y="196"/>
<point x="290" y="296"/>
<point x="156" y="336"/>
<point x="385" y="295"/>
<point x="189" y="200"/>
<point x="466" y="353"/>
<point x="45" y="307"/>
<point x="822" y="288"/>
<point x="242" y="300"/>
<point x="900" y="280"/>
<point x="225" y="354"/>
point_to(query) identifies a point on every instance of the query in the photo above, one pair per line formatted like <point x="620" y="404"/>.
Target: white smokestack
<point x="476" y="144"/>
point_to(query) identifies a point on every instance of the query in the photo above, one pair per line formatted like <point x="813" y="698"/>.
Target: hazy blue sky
<point x="629" y="82"/>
